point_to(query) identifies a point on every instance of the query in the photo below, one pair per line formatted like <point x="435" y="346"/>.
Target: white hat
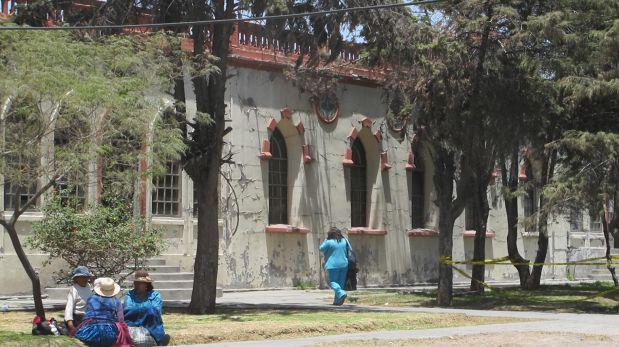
<point x="106" y="286"/>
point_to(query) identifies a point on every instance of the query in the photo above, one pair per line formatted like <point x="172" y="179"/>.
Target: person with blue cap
<point x="78" y="296"/>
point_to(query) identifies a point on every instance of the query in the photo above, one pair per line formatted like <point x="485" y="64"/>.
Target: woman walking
<point x="335" y="249"/>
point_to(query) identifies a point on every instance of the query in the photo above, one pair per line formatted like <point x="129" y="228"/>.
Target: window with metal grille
<point x="25" y="193"/>
<point x="195" y="201"/>
<point x="72" y="186"/>
<point x="595" y="223"/>
<point x="358" y="186"/>
<point x="576" y="220"/>
<point x="529" y="201"/>
<point x="167" y="192"/>
<point x="417" y="195"/>
<point x="278" y="180"/>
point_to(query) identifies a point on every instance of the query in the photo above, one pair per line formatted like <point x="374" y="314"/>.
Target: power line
<point x="227" y="20"/>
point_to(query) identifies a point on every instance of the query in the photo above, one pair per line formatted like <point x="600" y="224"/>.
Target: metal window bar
<point x="71" y="194"/>
<point x="595" y="224"/>
<point x="278" y="180"/>
<point x="24" y="195"/>
<point x="166" y="197"/>
<point x="417" y="199"/>
<point x="576" y="223"/>
<point x="358" y="186"/>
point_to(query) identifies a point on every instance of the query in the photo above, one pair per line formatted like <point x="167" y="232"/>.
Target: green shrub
<point x="107" y="238"/>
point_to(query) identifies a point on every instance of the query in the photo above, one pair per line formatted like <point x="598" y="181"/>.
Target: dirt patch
<point x="509" y="339"/>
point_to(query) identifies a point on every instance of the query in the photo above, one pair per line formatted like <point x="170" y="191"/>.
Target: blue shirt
<point x="103" y="308"/>
<point x="153" y="299"/>
<point x="336" y="253"/>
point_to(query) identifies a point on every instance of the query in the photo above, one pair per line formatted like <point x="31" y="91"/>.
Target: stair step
<point x="155" y="262"/>
<point x="162" y="269"/>
<point x="171" y="276"/>
<point x="165" y="284"/>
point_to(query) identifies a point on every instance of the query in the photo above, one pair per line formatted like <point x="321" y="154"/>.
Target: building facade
<point x="303" y="165"/>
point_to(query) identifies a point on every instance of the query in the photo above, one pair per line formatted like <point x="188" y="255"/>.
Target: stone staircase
<point x="168" y="280"/>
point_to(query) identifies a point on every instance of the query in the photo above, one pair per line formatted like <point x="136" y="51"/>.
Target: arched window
<point x="417" y="194"/>
<point x="358" y="186"/>
<point x="529" y="201"/>
<point x="278" y="180"/>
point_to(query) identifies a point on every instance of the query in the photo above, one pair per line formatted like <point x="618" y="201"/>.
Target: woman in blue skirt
<point x="102" y="312"/>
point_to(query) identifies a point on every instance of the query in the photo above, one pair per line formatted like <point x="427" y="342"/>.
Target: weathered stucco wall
<point x="319" y="197"/>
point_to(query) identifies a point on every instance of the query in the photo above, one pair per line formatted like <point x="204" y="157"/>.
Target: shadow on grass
<point x="10" y="339"/>
<point x="576" y="298"/>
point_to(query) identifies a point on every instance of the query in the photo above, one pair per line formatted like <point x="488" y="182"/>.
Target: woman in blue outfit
<point x="103" y="310"/>
<point x="335" y="249"/>
<point x="143" y="308"/>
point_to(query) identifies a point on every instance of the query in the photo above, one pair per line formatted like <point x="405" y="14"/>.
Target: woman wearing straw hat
<point x="102" y="312"/>
<point x="77" y="298"/>
<point x="143" y="308"/>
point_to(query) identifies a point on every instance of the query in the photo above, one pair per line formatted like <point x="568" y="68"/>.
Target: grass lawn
<point x="563" y="298"/>
<point x="239" y="325"/>
<point x="25" y="339"/>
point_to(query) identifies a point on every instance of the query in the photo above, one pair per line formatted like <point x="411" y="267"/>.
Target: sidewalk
<point x="262" y="298"/>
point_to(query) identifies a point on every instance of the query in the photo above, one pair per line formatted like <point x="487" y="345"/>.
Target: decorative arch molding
<point x="353" y="133"/>
<point x="272" y="124"/>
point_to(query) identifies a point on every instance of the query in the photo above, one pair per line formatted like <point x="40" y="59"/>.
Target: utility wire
<point x="226" y="20"/>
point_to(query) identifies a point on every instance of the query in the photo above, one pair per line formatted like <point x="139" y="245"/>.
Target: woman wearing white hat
<point x="102" y="312"/>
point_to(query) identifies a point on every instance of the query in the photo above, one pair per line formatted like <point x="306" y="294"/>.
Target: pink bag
<point x="124" y="338"/>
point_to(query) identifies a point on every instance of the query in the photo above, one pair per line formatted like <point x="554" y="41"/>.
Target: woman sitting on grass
<point x="77" y="299"/>
<point x="103" y="311"/>
<point x="143" y="308"/>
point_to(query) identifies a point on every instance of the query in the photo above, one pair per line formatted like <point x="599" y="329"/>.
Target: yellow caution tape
<point x="505" y="261"/>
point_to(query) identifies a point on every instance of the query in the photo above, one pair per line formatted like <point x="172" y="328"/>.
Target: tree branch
<point x="19" y="211"/>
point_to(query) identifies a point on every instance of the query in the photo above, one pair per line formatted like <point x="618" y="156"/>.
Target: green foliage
<point x="588" y="175"/>
<point x="305" y="284"/>
<point x="106" y="238"/>
<point x="101" y="99"/>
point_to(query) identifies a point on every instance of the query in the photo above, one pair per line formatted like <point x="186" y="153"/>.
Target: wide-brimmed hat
<point x="142" y="276"/>
<point x="106" y="286"/>
<point x="81" y="271"/>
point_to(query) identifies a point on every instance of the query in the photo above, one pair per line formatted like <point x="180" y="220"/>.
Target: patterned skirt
<point x="97" y="333"/>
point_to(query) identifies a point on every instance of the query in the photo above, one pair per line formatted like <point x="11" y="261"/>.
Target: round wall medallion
<point x="326" y="107"/>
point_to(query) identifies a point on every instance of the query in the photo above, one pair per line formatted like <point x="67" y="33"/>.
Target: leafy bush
<point x="107" y="238"/>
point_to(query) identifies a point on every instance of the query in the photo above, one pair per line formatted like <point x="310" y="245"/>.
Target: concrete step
<point x="152" y="269"/>
<point x="155" y="262"/>
<point x="181" y="284"/>
<point x="176" y="276"/>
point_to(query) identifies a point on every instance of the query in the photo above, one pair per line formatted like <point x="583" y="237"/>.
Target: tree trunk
<point x="533" y="282"/>
<point x="444" y="183"/>
<point x="480" y="221"/>
<point x="609" y="259"/>
<point x="32" y="274"/>
<point x="205" y="163"/>
<point x="510" y="185"/>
